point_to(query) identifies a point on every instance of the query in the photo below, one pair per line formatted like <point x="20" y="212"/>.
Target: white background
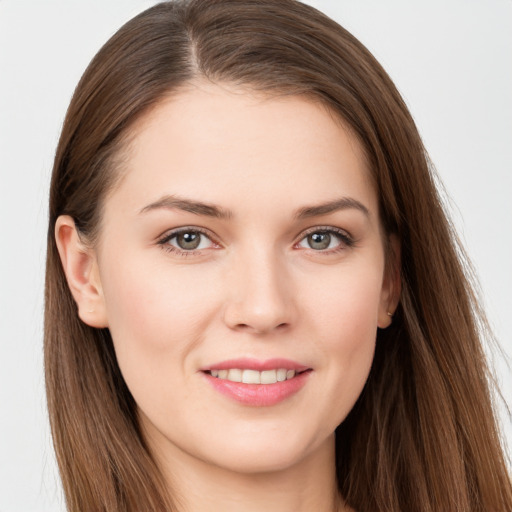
<point x="452" y="61"/>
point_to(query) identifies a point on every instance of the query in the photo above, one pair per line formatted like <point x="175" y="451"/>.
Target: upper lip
<point x="256" y="364"/>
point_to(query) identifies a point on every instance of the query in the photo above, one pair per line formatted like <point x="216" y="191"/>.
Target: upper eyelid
<point x="333" y="229"/>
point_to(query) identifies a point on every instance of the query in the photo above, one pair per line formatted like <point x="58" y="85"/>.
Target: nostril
<point x="258" y="314"/>
<point x="259" y="328"/>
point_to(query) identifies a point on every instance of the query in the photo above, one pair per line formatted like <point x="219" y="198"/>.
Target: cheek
<point x="346" y="304"/>
<point x="150" y="301"/>
<point x="155" y="316"/>
<point x="345" y="320"/>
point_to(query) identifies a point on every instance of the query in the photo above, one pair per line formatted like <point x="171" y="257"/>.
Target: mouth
<point x="254" y="376"/>
<point x="257" y="383"/>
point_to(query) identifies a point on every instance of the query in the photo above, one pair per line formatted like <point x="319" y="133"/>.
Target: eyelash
<point x="346" y="240"/>
<point x="164" y="241"/>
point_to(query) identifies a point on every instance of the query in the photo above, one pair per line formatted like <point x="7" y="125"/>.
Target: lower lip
<point x="259" y="395"/>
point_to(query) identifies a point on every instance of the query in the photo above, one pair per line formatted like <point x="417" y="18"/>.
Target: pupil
<point x="188" y="240"/>
<point x="319" y="240"/>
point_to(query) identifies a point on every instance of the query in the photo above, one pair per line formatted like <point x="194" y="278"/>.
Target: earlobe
<point x="80" y="266"/>
<point x="391" y="286"/>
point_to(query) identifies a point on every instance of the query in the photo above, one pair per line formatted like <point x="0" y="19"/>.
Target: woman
<point x="253" y="293"/>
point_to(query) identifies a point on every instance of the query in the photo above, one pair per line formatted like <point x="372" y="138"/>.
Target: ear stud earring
<point x="390" y="314"/>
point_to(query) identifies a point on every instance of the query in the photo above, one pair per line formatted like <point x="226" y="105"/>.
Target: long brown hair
<point x="422" y="436"/>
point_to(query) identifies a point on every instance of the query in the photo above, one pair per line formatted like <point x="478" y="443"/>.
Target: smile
<point x="254" y="376"/>
<point x="257" y="383"/>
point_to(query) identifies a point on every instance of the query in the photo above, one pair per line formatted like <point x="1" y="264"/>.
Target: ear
<point x="81" y="268"/>
<point x="391" y="285"/>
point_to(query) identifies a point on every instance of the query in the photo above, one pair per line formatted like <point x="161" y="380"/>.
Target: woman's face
<point x="243" y="243"/>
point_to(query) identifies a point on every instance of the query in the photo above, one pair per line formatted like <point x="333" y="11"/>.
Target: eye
<point x="325" y="240"/>
<point x="186" y="240"/>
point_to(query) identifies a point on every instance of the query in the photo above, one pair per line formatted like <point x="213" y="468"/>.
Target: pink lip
<point x="258" y="395"/>
<point x="255" y="364"/>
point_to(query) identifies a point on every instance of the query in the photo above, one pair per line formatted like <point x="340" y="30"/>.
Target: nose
<point x="260" y="296"/>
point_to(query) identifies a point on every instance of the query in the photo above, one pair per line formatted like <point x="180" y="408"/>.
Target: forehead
<point x="227" y="145"/>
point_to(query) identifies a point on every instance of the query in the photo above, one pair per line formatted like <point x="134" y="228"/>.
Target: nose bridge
<point x="260" y="296"/>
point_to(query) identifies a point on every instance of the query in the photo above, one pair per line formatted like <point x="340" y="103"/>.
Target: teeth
<point x="254" y="376"/>
<point x="251" y="377"/>
<point x="269" y="377"/>
<point x="235" y="375"/>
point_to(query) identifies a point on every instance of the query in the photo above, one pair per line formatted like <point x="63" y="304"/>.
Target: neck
<point x="198" y="486"/>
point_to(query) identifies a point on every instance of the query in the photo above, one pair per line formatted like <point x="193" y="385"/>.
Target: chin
<point x="272" y="454"/>
<point x="250" y="464"/>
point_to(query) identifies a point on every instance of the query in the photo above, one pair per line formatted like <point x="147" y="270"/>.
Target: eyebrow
<point x="187" y="205"/>
<point x="343" y="203"/>
<point x="171" y="202"/>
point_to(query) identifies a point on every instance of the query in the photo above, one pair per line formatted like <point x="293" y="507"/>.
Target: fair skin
<point x="244" y="228"/>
